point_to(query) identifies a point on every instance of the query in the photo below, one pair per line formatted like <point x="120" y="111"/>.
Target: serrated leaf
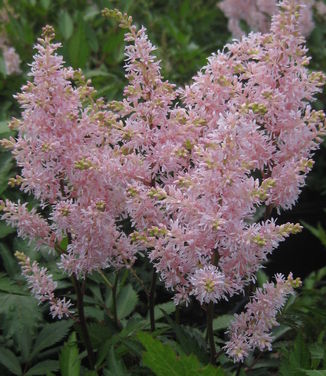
<point x="50" y="335"/>
<point x="10" y="361"/>
<point x="69" y="357"/>
<point x="24" y="339"/>
<point x="162" y="360"/>
<point x="20" y="312"/>
<point x="189" y="343"/>
<point x="42" y="368"/>
<point x="7" y="285"/>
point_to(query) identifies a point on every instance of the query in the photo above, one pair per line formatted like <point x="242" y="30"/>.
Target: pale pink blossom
<point x="208" y="284"/>
<point x="251" y="329"/>
<point x="12" y="60"/>
<point x="30" y="224"/>
<point x="257" y="14"/>
<point x="42" y="286"/>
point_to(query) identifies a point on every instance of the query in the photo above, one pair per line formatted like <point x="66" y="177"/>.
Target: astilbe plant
<point x="189" y="168"/>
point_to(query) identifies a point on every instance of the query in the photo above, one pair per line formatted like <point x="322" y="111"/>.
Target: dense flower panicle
<point x="69" y="163"/>
<point x="30" y="224"/>
<point x="252" y="104"/>
<point x="258" y="13"/>
<point x="188" y="167"/>
<point x="10" y="56"/>
<point x="250" y="329"/>
<point x="12" y="60"/>
<point x="42" y="286"/>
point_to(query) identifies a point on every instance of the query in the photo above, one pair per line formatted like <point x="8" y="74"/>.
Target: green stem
<point x="114" y="300"/>
<point x="152" y="301"/>
<point x="238" y="369"/>
<point x="107" y="282"/>
<point x="82" y="321"/>
<point x="177" y="314"/>
<point x="210" y="331"/>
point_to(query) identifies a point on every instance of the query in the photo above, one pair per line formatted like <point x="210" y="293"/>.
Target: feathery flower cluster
<point x="68" y="162"/>
<point x="30" y="225"/>
<point x="42" y="286"/>
<point x="189" y="167"/>
<point x="257" y="14"/>
<point x="10" y="57"/>
<point x="251" y="328"/>
<point x="247" y="115"/>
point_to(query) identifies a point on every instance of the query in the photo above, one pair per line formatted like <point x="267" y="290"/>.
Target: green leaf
<point x="46" y="4"/>
<point x="6" y="164"/>
<point x="43" y="367"/>
<point x="91" y="12"/>
<point x="66" y="25"/>
<point x="92" y="38"/>
<point x="4" y="130"/>
<point x="69" y="357"/>
<point x="279" y="331"/>
<point x="7" y="285"/>
<point x="314" y="372"/>
<point x="162" y="360"/>
<point x="78" y="46"/>
<point x="5" y="230"/>
<point x="50" y="335"/>
<point x="189" y="341"/>
<point x="222" y="322"/>
<point x="317" y="354"/>
<point x="295" y="359"/>
<point x="3" y="69"/>
<point x="262" y="278"/>
<point x="115" y="366"/>
<point x="319" y="232"/>
<point x="10" y="361"/>
<point x="24" y="339"/>
<point x="126" y="301"/>
<point x="8" y="260"/>
<point x="20" y="312"/>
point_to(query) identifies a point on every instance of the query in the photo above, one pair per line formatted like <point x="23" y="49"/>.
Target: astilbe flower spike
<point x="188" y="166"/>
<point x="42" y="286"/>
<point x="251" y="328"/>
<point x="247" y="114"/>
<point x="250" y="104"/>
<point x="69" y="163"/>
<point x="258" y="13"/>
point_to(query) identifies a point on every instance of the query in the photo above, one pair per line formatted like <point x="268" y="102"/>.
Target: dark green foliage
<point x="162" y="360"/>
<point x="185" y="32"/>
